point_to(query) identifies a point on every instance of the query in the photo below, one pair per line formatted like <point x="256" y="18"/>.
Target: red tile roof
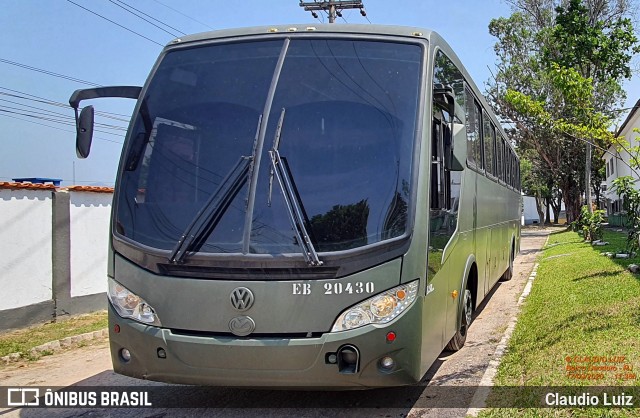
<point x="37" y="186"/>
<point x="94" y="189"/>
<point x="28" y="186"/>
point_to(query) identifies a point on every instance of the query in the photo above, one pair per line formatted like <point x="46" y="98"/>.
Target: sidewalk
<point x="91" y="365"/>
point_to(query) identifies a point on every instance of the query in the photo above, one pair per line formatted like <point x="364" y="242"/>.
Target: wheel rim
<point x="511" y="262"/>
<point x="468" y="307"/>
<point x="467" y="313"/>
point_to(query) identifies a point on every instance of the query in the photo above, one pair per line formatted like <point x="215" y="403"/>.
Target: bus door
<point x="442" y="224"/>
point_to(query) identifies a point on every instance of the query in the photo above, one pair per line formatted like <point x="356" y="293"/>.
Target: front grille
<point x="235" y="273"/>
<point x="208" y="334"/>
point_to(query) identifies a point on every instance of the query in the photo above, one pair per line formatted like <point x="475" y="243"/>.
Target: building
<point x="618" y="162"/>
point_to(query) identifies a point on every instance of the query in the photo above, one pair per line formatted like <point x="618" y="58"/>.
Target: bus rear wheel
<point x="508" y="275"/>
<point x="458" y="340"/>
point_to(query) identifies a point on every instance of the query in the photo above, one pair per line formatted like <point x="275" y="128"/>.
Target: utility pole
<point x="332" y="7"/>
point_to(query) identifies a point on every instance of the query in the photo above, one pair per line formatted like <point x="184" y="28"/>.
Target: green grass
<point x="23" y="340"/>
<point x="582" y="304"/>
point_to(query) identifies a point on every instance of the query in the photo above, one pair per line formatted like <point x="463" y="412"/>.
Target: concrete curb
<point x="57" y="345"/>
<point x="480" y="397"/>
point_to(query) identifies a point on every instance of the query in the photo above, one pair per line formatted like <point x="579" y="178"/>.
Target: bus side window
<point x="501" y="158"/>
<point x="489" y="144"/>
<point x="475" y="149"/>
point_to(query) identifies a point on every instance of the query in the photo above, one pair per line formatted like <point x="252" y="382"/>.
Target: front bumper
<point x="270" y="361"/>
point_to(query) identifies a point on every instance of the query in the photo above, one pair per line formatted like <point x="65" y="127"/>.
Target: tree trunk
<point x="556" y="205"/>
<point x="540" y="208"/>
<point x="548" y="215"/>
<point x="571" y="195"/>
<point x="587" y="178"/>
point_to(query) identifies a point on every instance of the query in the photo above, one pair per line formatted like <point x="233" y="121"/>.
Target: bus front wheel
<point x="458" y="340"/>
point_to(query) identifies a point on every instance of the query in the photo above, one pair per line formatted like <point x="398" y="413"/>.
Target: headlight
<point x="129" y="305"/>
<point x="379" y="309"/>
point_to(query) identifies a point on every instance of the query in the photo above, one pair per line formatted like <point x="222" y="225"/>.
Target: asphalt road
<point x="90" y="366"/>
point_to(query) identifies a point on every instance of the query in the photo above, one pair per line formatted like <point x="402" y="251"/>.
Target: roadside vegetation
<point x="579" y="327"/>
<point x="23" y="340"/>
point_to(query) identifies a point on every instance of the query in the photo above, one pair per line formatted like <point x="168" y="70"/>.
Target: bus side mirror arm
<point x="456" y="153"/>
<point x="445" y="97"/>
<point x="84" y="119"/>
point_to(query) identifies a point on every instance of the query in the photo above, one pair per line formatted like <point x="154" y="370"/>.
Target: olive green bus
<point x="297" y="206"/>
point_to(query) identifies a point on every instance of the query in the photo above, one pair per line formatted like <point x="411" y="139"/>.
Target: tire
<point x="508" y="275"/>
<point x="458" y="340"/>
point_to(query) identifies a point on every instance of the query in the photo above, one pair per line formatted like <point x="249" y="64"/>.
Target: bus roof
<point x="305" y="27"/>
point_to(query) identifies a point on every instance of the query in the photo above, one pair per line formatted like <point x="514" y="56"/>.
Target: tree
<point x="534" y="183"/>
<point x="559" y="73"/>
<point x="555" y="137"/>
<point x="599" y="50"/>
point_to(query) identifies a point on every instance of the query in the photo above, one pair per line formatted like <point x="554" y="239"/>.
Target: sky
<point x="51" y="48"/>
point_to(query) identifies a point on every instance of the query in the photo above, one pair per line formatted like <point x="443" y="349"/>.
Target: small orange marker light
<point x="454" y="294"/>
<point x="401" y="294"/>
<point x="391" y="337"/>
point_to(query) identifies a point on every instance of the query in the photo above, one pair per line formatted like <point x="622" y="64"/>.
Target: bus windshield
<point x="346" y="143"/>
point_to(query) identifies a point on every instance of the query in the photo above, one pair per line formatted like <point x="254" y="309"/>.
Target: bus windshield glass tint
<point x="347" y="141"/>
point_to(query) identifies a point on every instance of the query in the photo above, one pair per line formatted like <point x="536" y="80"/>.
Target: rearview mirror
<point x="84" y="121"/>
<point x="84" y="132"/>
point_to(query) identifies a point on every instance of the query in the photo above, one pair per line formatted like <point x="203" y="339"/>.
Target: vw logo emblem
<point x="241" y="298"/>
<point x="242" y="326"/>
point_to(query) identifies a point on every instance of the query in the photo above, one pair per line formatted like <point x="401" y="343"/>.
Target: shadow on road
<point x="217" y="401"/>
<point x="220" y="401"/>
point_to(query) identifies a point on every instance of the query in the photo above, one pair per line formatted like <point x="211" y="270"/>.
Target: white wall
<point x="26" y="265"/>
<point x="530" y="211"/>
<point x="89" y="218"/>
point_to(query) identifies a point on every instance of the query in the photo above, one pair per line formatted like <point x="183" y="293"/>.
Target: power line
<point x="51" y="113"/>
<point x="56" y="119"/>
<point x="38" y="99"/>
<point x="67" y="119"/>
<point x="47" y="112"/>
<point x="35" y="99"/>
<point x="127" y="8"/>
<point x="51" y="73"/>
<point x="116" y="23"/>
<point x="55" y="127"/>
<point x="151" y="17"/>
<point x="180" y="13"/>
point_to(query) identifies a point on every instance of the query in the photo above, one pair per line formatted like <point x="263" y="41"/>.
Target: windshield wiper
<point x="280" y="169"/>
<point x="209" y="216"/>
